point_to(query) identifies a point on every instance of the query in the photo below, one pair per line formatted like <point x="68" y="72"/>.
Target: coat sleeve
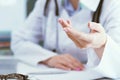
<point x="110" y="62"/>
<point x="25" y="41"/>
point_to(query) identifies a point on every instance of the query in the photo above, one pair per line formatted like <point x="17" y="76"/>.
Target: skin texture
<point x="74" y="3"/>
<point x="65" y="61"/>
<point x="96" y="39"/>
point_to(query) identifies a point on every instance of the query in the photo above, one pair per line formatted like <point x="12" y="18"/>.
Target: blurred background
<point x="12" y="16"/>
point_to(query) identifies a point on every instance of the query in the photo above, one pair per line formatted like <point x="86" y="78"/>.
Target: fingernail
<point x="78" y="69"/>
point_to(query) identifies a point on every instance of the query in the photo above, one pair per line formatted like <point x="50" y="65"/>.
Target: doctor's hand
<point x="95" y="39"/>
<point x="64" y="61"/>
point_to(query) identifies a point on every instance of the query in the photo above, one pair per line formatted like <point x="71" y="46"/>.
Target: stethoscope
<point x="96" y="16"/>
<point x="57" y="30"/>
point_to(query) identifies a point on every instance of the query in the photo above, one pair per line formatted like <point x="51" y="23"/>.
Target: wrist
<point x="99" y="51"/>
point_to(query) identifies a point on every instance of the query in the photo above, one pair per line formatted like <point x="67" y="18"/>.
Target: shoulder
<point x="110" y="9"/>
<point x="38" y="7"/>
<point x="111" y="5"/>
<point x="40" y="3"/>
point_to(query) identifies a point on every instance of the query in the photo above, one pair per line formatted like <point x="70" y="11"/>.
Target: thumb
<point x="95" y="27"/>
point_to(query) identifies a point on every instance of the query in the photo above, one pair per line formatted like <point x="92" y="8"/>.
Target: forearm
<point x="31" y="52"/>
<point x="99" y="51"/>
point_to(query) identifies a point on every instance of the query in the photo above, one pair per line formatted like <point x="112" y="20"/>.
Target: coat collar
<point x="90" y="4"/>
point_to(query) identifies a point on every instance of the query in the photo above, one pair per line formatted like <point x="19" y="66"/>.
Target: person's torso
<point x="56" y="38"/>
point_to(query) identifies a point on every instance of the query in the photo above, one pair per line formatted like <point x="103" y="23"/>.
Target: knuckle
<point x="56" y="66"/>
<point x="69" y="64"/>
<point x="67" y="55"/>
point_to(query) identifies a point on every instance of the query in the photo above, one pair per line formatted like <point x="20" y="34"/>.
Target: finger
<point x="78" y="35"/>
<point x="76" y="63"/>
<point x="73" y="39"/>
<point x="78" y="43"/>
<point x="81" y="43"/>
<point x="63" y="23"/>
<point x="95" y="26"/>
<point x="67" y="62"/>
<point x="61" y="66"/>
<point x="70" y="62"/>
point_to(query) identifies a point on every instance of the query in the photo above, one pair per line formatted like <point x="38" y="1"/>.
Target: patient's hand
<point x="64" y="61"/>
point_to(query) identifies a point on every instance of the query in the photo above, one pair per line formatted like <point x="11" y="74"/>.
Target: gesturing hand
<point x="95" y="39"/>
<point x="64" y="61"/>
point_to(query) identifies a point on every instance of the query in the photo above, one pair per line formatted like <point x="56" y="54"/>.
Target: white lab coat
<point x="25" y="41"/>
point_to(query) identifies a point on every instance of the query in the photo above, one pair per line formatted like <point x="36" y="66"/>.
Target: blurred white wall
<point x="12" y="14"/>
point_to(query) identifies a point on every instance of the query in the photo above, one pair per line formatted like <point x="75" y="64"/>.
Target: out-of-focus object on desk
<point x="14" y="76"/>
<point x="8" y="65"/>
<point x="5" y="38"/>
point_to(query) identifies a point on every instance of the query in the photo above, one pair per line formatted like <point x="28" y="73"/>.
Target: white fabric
<point x="93" y="4"/>
<point x="25" y="41"/>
